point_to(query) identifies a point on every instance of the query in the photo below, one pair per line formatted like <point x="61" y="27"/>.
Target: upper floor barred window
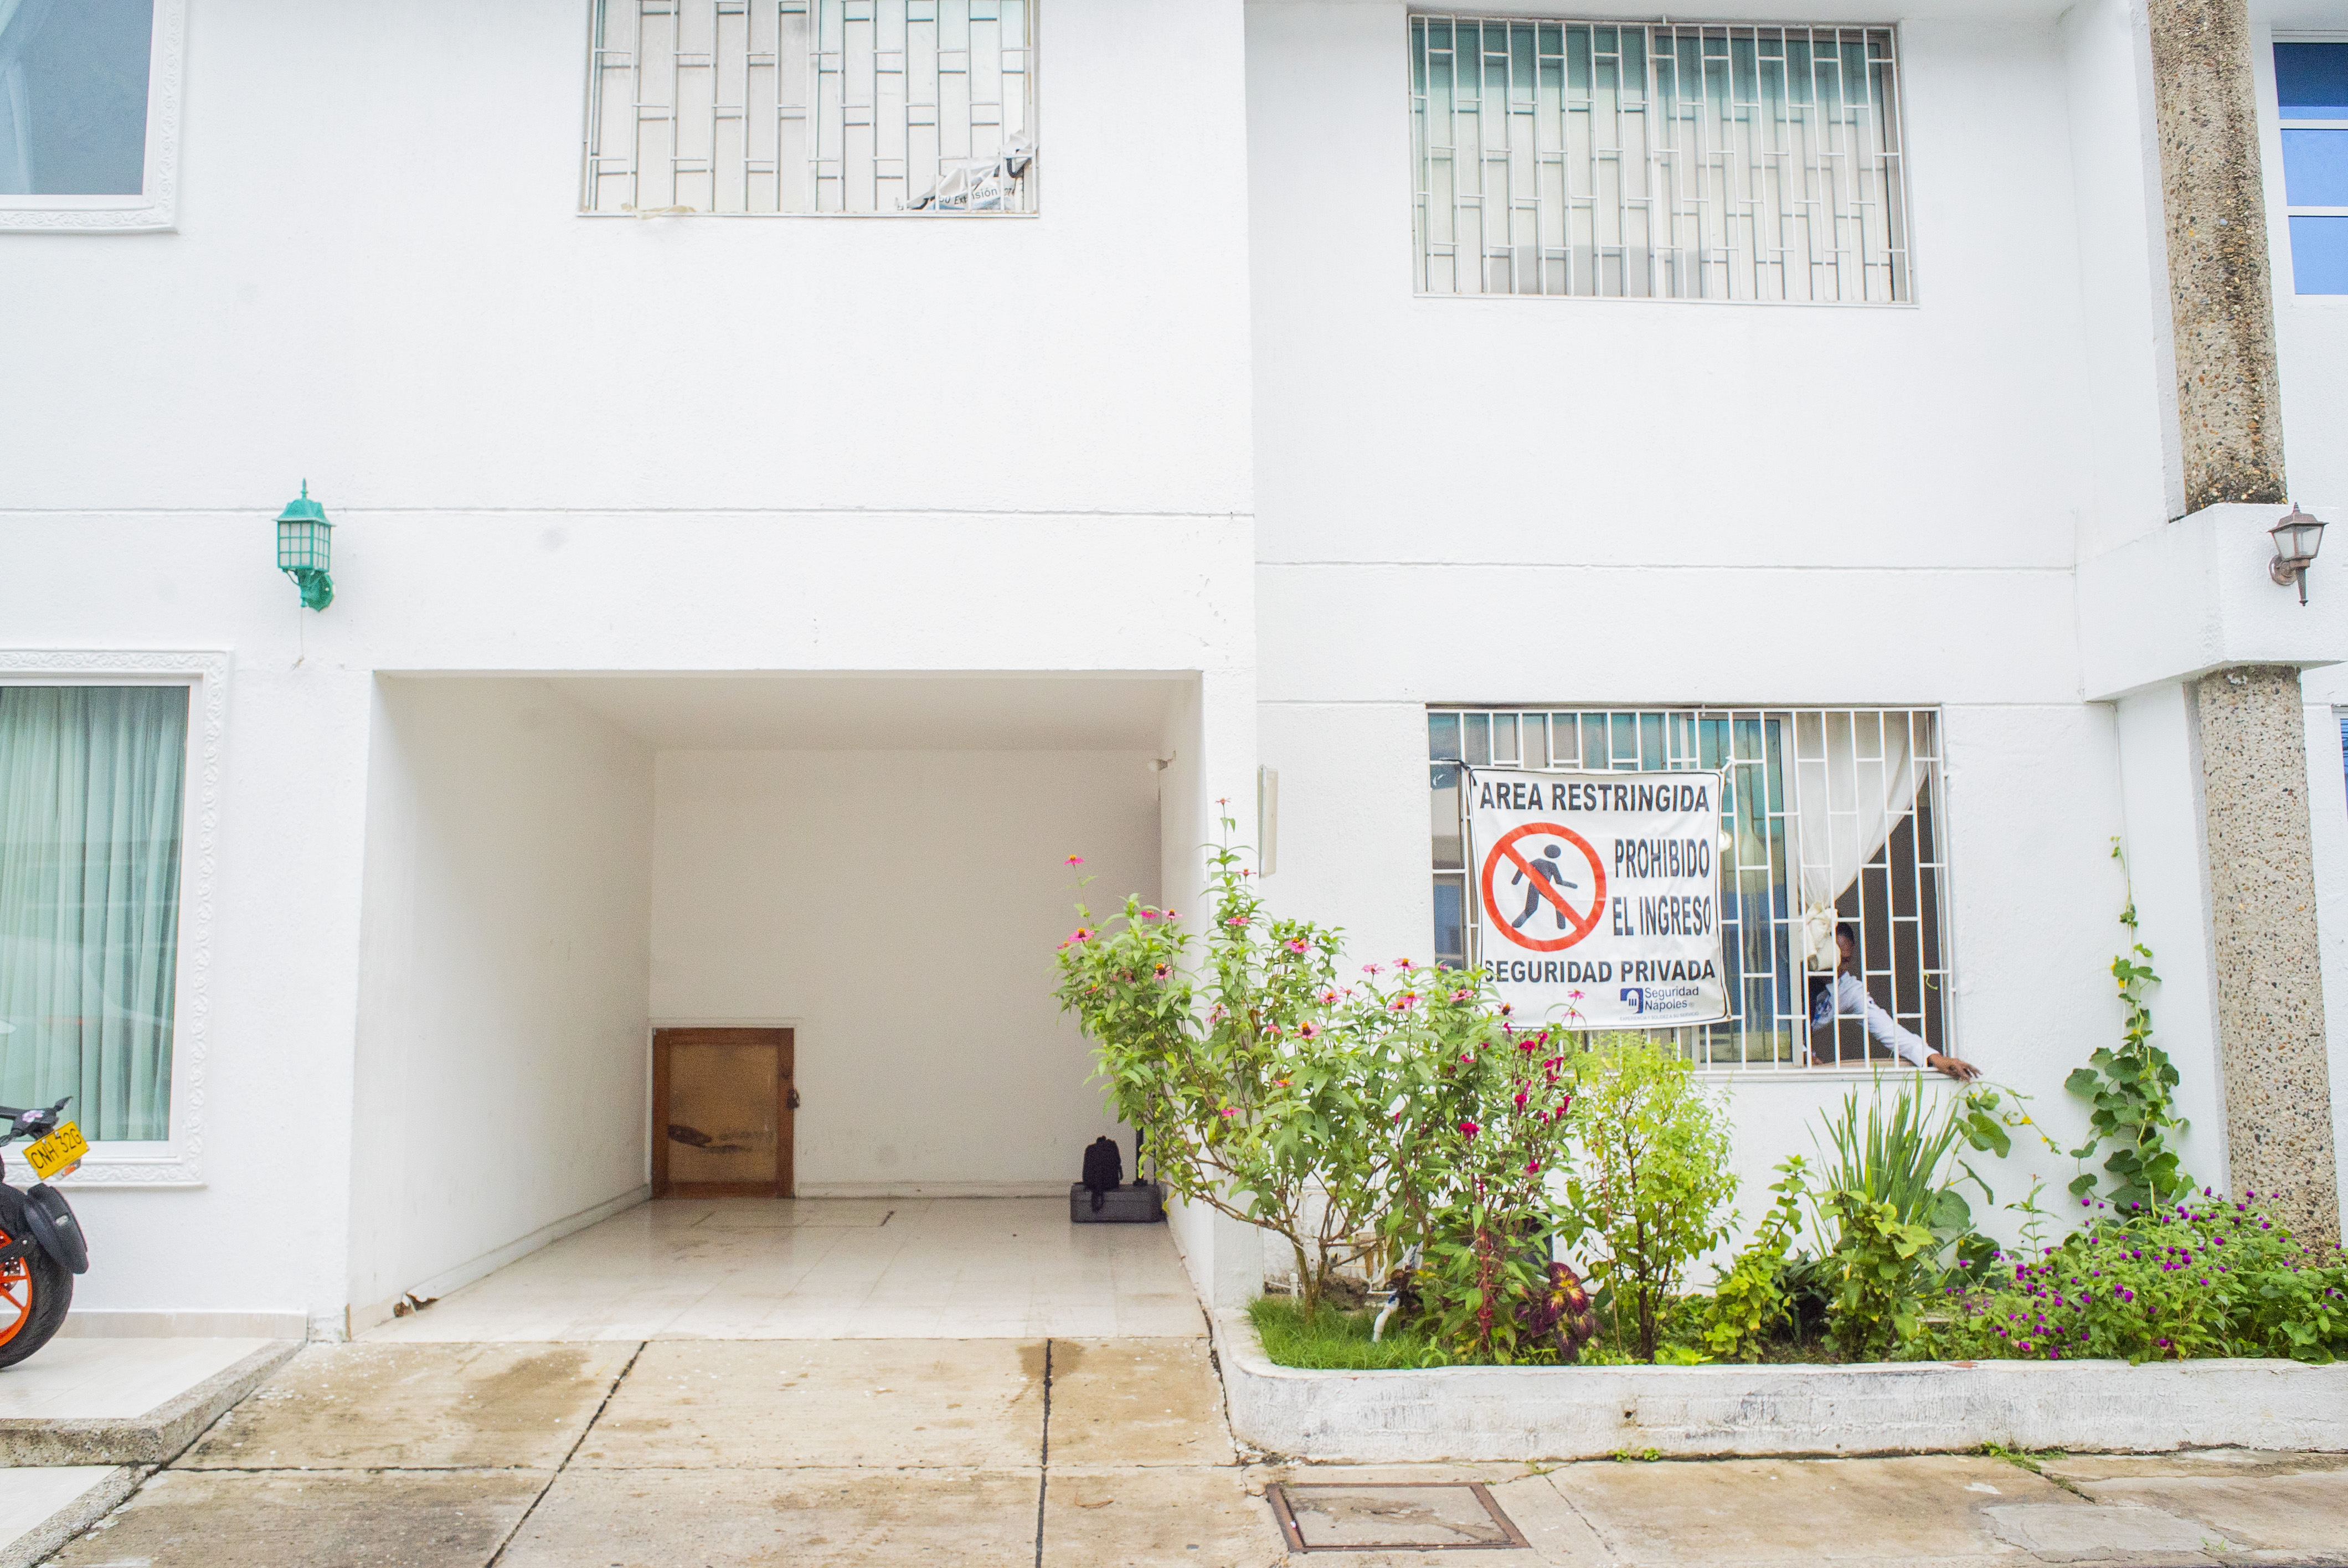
<point x="1658" y="161"/>
<point x="766" y="106"/>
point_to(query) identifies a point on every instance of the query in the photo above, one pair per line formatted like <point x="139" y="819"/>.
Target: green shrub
<point x="1750" y="1302"/>
<point x="1651" y="1178"/>
<point x="2204" y="1277"/>
<point x="1353" y="1119"/>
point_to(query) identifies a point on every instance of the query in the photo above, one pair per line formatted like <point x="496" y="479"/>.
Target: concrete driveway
<point x="727" y="1453"/>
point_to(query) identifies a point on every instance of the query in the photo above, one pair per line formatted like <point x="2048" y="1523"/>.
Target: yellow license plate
<point x="58" y="1152"/>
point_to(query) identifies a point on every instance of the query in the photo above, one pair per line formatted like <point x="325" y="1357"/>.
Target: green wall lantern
<point x="306" y="548"/>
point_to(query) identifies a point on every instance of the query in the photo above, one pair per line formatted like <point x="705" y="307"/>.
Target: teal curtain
<point x="91" y="778"/>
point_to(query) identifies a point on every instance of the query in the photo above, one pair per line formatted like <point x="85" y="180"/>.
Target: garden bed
<point x="1515" y="1413"/>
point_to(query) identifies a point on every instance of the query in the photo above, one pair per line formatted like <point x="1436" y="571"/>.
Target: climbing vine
<point x="2133" y="1091"/>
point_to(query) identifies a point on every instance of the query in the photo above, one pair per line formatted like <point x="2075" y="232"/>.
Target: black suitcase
<point x="1142" y="1205"/>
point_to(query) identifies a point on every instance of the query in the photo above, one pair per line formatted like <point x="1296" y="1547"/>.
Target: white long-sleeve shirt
<point x="1847" y="998"/>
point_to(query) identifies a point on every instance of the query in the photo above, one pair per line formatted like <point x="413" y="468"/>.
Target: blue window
<point x="2312" y="93"/>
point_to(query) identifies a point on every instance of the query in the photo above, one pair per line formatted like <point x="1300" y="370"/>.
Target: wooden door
<point x="722" y="1104"/>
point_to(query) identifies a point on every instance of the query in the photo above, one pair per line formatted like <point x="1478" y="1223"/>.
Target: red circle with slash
<point x="1579" y="926"/>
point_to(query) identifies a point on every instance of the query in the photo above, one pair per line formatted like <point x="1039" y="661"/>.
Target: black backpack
<point x="1104" y="1168"/>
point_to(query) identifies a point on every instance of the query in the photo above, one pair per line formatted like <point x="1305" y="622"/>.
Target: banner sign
<point x="1599" y="894"/>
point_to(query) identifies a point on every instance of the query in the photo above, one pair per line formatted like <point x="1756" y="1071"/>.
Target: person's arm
<point x="1907" y="1046"/>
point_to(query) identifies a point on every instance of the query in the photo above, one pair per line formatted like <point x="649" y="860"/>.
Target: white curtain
<point x="20" y="20"/>
<point x="90" y="791"/>
<point x="1855" y="776"/>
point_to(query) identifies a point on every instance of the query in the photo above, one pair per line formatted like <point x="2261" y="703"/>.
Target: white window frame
<point x="176" y="1161"/>
<point x="2282" y="268"/>
<point x="156" y="207"/>
<point x="1690" y="1039"/>
<point x="1905" y="274"/>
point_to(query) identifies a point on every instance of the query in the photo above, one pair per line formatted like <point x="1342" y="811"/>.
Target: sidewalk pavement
<point x="1065" y="1453"/>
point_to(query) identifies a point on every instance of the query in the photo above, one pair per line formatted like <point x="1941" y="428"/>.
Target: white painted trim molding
<point x="362" y="1318"/>
<point x="106" y="1323"/>
<point x="157" y="206"/>
<point x="178" y="1161"/>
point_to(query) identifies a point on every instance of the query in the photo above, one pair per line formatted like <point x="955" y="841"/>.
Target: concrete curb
<point x="95" y="1503"/>
<point x="1512" y="1413"/>
<point x="159" y="1437"/>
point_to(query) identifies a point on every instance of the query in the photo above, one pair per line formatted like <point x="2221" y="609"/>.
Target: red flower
<point x="1469" y="1129"/>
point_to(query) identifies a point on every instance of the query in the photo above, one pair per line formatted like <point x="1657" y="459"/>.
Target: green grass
<point x="1334" y="1341"/>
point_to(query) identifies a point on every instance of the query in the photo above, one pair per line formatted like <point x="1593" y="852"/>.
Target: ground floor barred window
<point x="1830" y="817"/>
<point x="91" y="787"/>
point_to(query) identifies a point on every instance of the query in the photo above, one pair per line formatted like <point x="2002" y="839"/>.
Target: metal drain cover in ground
<point x="1419" y="1516"/>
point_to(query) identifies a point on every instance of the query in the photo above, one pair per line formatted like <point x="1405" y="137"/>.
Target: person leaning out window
<point x="1845" y="996"/>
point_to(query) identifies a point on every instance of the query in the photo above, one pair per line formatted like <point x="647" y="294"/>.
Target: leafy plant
<point x="1651" y="1180"/>
<point x="2204" y="1277"/>
<point x="1485" y="1131"/>
<point x="1891" y="1179"/>
<point x="2132" y="1092"/>
<point x="1877" y="1264"/>
<point x="1750" y="1301"/>
<point x="1263" y="1106"/>
<point x="1353" y="1119"/>
<point x="1903" y="1155"/>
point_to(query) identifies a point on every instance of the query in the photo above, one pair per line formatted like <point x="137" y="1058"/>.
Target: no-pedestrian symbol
<point x="1544" y="874"/>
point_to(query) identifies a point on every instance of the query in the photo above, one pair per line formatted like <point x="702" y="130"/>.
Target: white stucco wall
<point x="554" y="444"/>
<point x="1601" y="502"/>
<point x="500" y="1082"/>
<point x="899" y="910"/>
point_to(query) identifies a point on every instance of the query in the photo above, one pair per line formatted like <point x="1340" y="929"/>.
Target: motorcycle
<point x="41" y="1242"/>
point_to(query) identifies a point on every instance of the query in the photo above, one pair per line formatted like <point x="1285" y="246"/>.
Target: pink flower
<point x="1236" y="920"/>
<point x="1151" y="915"/>
<point x="1463" y="995"/>
<point x="1465" y="1056"/>
<point x="1227" y="1111"/>
<point x="1081" y="933"/>
<point x="1328" y="998"/>
<point x="1507" y="1008"/>
<point x="1401" y="964"/>
<point x="1405" y="1002"/>
<point x="1298" y="945"/>
<point x="1309" y="1030"/>
<point x="1075" y="860"/>
<point x="1168" y="914"/>
<point x="1161" y="971"/>
<point x="1369" y="969"/>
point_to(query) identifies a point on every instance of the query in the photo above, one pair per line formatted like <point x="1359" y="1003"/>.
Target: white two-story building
<point x="800" y="469"/>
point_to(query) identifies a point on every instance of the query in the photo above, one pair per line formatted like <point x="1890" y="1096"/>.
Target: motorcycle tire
<point x="35" y="1293"/>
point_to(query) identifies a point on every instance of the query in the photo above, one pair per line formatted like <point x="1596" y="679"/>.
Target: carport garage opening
<point x="870" y="866"/>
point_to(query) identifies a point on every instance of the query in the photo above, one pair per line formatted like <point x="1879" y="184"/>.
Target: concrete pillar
<point x="2268" y="961"/>
<point x="2229" y="399"/>
<point x="2264" y="955"/>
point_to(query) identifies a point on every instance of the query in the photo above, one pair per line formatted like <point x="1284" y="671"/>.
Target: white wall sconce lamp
<point x="2296" y="539"/>
<point x="306" y="548"/>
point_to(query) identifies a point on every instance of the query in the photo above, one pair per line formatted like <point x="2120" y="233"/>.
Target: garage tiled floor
<point x="828" y="1269"/>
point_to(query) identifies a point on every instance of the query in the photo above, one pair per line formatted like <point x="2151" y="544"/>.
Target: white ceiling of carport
<point x="846" y="712"/>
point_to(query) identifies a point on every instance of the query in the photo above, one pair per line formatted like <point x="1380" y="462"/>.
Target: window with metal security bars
<point x="777" y="107"/>
<point x="1832" y="814"/>
<point x="1678" y="161"/>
